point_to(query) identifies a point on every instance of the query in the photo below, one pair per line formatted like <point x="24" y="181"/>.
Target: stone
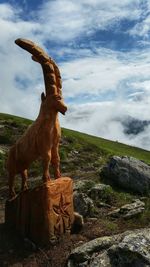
<point x="2" y="152"/>
<point x="128" y="173"/>
<point x="104" y="205"/>
<point x="97" y="191"/>
<point x="131" y="248"/>
<point x="78" y="223"/>
<point x="43" y="213"/>
<point x="102" y="260"/>
<point x="83" y="204"/>
<point x="129" y="211"/>
<point x="85" y="252"/>
<point x="83" y="185"/>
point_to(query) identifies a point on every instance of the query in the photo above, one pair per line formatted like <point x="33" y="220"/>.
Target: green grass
<point x="14" y="119"/>
<point x="110" y="147"/>
<point x="78" y="141"/>
<point x="13" y="127"/>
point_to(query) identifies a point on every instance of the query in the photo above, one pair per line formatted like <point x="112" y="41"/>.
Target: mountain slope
<point x="11" y="127"/>
<point x="82" y="157"/>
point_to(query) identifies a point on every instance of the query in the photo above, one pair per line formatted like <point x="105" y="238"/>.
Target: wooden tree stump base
<point x="43" y="213"/>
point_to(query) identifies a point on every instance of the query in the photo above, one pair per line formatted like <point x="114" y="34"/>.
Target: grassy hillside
<point x="12" y="127"/>
<point x="80" y="153"/>
<point x="82" y="157"/>
<point x="111" y="147"/>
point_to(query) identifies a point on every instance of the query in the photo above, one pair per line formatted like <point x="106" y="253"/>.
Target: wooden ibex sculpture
<point x="41" y="140"/>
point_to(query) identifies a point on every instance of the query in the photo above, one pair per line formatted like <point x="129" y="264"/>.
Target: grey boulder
<point x="129" y="211"/>
<point x="83" y="204"/>
<point x="98" y="191"/>
<point x="129" y="249"/>
<point x="128" y="173"/>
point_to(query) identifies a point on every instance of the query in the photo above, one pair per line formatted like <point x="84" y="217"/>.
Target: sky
<point x="102" y="48"/>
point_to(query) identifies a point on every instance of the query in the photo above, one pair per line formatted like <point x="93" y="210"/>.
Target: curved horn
<point x="51" y="71"/>
<point x="34" y="49"/>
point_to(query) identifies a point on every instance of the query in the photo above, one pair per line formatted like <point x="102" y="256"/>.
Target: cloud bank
<point x="103" y="80"/>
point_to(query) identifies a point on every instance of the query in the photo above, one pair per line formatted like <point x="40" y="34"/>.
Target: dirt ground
<point x="18" y="252"/>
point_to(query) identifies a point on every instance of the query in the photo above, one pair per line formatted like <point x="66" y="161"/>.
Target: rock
<point x="84" y="252"/>
<point x="78" y="223"/>
<point x="83" y="185"/>
<point x="2" y="152"/>
<point x="129" y="210"/>
<point x="133" y="250"/>
<point x="83" y="204"/>
<point x="97" y="192"/>
<point x="129" y="173"/>
<point x="102" y="260"/>
<point x="103" y="205"/>
<point x="130" y="248"/>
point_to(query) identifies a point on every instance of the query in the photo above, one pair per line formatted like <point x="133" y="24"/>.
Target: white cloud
<point x="142" y="28"/>
<point x="7" y="11"/>
<point x="105" y="120"/>
<point x="107" y="71"/>
<point x="67" y="19"/>
<point x="91" y="75"/>
<point x="14" y="64"/>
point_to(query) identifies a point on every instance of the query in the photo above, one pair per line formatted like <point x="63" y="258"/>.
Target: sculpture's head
<point x="53" y="102"/>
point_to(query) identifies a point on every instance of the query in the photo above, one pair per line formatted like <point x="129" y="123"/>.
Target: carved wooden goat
<point x="41" y="140"/>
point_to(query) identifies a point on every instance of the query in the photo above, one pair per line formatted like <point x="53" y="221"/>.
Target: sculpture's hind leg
<point x="11" y="181"/>
<point x="24" y="175"/>
<point x="55" y="161"/>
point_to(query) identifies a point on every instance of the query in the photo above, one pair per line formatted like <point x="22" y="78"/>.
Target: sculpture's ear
<point x="43" y="97"/>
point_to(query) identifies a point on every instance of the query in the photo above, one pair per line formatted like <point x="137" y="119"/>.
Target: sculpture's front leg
<point x="55" y="161"/>
<point x="46" y="163"/>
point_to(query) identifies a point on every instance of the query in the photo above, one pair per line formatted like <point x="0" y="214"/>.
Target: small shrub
<point x="107" y="195"/>
<point x="88" y="185"/>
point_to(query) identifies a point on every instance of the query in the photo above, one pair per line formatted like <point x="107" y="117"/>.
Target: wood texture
<point x="43" y="213"/>
<point x="41" y="140"/>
